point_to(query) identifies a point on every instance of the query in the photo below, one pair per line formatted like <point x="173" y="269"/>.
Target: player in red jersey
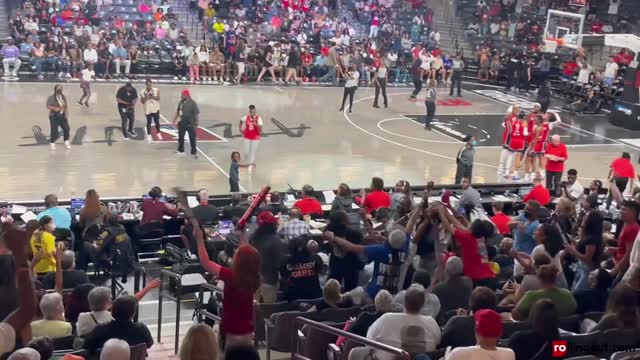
<point x="539" y="144"/>
<point x="530" y="128"/>
<point x="506" y="156"/>
<point x="251" y="129"/>
<point x="517" y="143"/>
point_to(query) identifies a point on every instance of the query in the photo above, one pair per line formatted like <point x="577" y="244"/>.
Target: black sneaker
<point x="131" y="133"/>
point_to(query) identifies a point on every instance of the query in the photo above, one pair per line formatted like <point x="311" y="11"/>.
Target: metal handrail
<point x="403" y="355"/>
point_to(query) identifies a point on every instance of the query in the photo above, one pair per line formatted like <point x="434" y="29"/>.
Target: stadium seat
<point x="580" y="341"/>
<point x="313" y="342"/>
<point x="262" y="312"/>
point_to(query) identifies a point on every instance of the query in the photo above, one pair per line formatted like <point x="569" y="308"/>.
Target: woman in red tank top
<point x="251" y="128"/>
<point x="539" y="143"/>
<point x="506" y="156"/>
<point x="531" y="124"/>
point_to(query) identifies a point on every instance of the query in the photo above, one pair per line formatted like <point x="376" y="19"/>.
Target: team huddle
<point x="525" y="139"/>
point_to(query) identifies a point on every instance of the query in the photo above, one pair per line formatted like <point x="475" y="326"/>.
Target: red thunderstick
<point x="254" y="204"/>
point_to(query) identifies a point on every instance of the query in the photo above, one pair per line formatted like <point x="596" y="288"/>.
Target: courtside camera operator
<point x="109" y="246"/>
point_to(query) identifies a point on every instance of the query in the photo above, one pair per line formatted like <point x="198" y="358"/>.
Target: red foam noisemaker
<point x="254" y="204"/>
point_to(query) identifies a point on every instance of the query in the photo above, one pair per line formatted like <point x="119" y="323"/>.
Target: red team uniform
<point x="516" y="138"/>
<point x="507" y="124"/>
<point x="251" y="130"/>
<point x="541" y="144"/>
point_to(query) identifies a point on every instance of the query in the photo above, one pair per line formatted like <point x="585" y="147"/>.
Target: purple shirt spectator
<point x="10" y="52"/>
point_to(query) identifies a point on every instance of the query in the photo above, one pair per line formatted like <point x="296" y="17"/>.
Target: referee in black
<point x="127" y="96"/>
<point x="456" y="75"/>
<point x="189" y="114"/>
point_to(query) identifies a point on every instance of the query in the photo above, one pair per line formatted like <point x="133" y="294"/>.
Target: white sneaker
<point x="178" y="153"/>
<point x="40" y="77"/>
<point x="159" y="136"/>
<point x="184" y="78"/>
<point x="175" y="78"/>
<point x="52" y="146"/>
<point x="67" y="75"/>
<point x="60" y="74"/>
<point x="148" y="136"/>
<point x="67" y="145"/>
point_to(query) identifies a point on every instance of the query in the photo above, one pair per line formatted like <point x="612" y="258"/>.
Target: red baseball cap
<point x="266" y="218"/>
<point x="488" y="323"/>
<point x="446" y="197"/>
<point x="186" y="92"/>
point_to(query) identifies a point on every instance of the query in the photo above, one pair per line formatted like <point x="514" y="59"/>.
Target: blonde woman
<point x="199" y="343"/>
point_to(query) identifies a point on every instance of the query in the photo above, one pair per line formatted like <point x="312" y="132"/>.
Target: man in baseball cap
<point x="488" y="331"/>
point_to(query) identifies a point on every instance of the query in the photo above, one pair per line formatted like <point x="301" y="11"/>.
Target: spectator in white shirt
<point x="410" y="331"/>
<point x="572" y="189"/>
<point x="90" y="55"/>
<point x="583" y="75"/>
<point x="610" y="72"/>
<point x="613" y="11"/>
<point x="31" y="25"/>
<point x="99" y="303"/>
<point x="488" y="331"/>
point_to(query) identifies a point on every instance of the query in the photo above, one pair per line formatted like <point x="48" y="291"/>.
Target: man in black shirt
<point x="344" y="266"/>
<point x="189" y="114"/>
<point x="293" y="63"/>
<point x="127" y="96"/>
<point x="70" y="277"/>
<point x="122" y="327"/>
<point x="206" y="213"/>
<point x="236" y="209"/>
<point x="416" y="76"/>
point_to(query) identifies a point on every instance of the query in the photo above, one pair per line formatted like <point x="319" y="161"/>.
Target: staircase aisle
<point x="187" y="20"/>
<point x="4" y="20"/>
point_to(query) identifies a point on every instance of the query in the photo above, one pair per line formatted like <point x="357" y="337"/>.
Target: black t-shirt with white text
<point x="127" y="94"/>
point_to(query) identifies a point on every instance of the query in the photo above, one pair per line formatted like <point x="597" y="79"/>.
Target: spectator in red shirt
<point x="539" y="193"/>
<point x="630" y="229"/>
<point x="624" y="57"/>
<point x="569" y="68"/>
<point x="499" y="219"/>
<point x="240" y="284"/>
<point x="596" y="26"/>
<point x="621" y="171"/>
<point x="556" y="155"/>
<point x="309" y="205"/>
<point x="377" y="198"/>
<point x="472" y="241"/>
<point x="153" y="209"/>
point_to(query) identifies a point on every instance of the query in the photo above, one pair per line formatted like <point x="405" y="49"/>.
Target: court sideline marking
<point x="208" y="158"/>
<point x="344" y="113"/>
<point x="410" y="137"/>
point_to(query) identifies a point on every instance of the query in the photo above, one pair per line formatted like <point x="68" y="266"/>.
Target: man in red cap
<point x="188" y="114"/>
<point x="488" y="331"/>
<point x="271" y="248"/>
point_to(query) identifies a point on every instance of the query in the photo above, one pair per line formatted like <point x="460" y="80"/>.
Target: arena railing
<point x="334" y="350"/>
<point x="486" y="190"/>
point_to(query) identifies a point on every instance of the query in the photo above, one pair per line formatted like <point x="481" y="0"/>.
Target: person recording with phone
<point x="127" y="96"/>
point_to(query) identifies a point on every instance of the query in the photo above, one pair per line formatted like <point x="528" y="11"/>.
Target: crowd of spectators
<point x="436" y="273"/>
<point x="508" y="39"/>
<point x="241" y="42"/>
